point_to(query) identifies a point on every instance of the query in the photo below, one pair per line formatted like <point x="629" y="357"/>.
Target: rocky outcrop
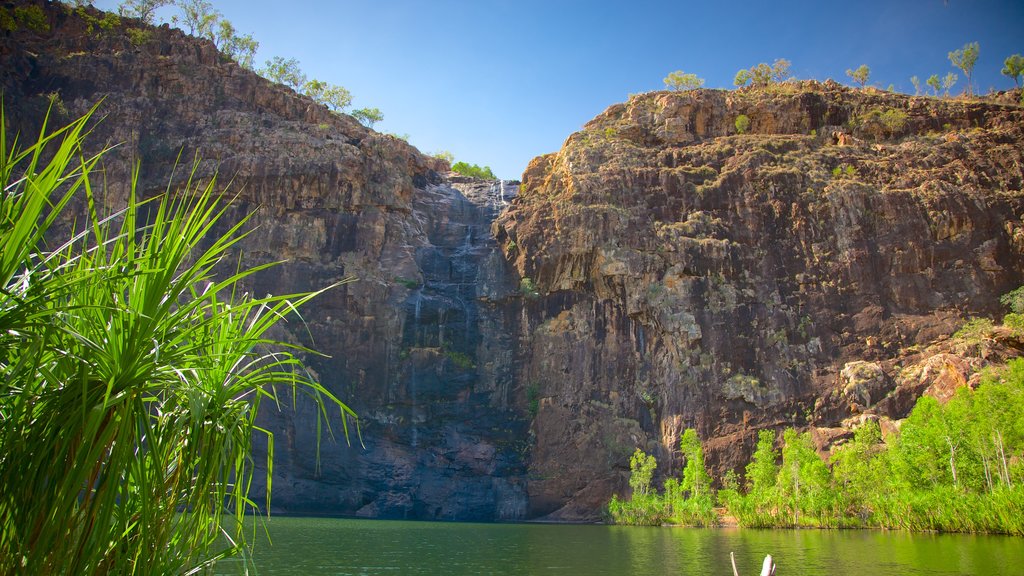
<point x="690" y="276"/>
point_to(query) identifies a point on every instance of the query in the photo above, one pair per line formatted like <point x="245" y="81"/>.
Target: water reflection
<point x="313" y="546"/>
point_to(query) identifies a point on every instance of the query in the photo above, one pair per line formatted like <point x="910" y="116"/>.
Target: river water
<point x="330" y="546"/>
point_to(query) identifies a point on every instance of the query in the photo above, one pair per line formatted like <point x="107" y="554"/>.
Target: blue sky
<point x="497" y="82"/>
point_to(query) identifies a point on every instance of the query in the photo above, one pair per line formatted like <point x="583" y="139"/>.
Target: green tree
<point x="763" y="75"/>
<point x="335" y="97"/>
<point x="804" y="482"/>
<point x="680" y="80"/>
<point x="368" y="116"/>
<point x="474" y="171"/>
<point x="200" y="17"/>
<point x="761" y="473"/>
<point x="917" y="85"/>
<point x="858" y="471"/>
<point x="130" y="375"/>
<point x="948" y="82"/>
<point x="742" y="124"/>
<point x="860" y="75"/>
<point x="144" y="10"/>
<point x="289" y="72"/>
<point x="964" y="59"/>
<point x="934" y="83"/>
<point x="241" y="49"/>
<point x="696" y="479"/>
<point x="641" y="470"/>
<point x="1013" y="67"/>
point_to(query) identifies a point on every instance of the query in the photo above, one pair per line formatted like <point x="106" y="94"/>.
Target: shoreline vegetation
<point x="953" y="467"/>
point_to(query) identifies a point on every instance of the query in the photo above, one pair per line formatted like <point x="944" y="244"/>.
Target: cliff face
<point x="507" y="354"/>
<point x="417" y="345"/>
<point x="690" y="276"/>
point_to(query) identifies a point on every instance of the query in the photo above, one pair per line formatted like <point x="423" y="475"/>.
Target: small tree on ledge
<point x="681" y="81"/>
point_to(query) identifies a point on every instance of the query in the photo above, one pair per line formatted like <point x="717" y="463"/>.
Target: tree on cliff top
<point x="965" y="59"/>
<point x="680" y="80"/>
<point x="763" y="75"/>
<point x="474" y="171"/>
<point x="1013" y="67"/>
<point x="368" y="116"/>
<point x="144" y="10"/>
<point x="860" y="75"/>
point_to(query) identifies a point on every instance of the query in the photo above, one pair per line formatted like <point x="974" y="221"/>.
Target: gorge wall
<point x="507" y="348"/>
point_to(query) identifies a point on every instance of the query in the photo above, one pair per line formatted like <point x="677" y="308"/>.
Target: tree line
<point x="763" y="74"/>
<point x="200" y="19"/>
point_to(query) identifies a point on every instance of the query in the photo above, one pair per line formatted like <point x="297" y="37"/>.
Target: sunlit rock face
<point x="793" y="275"/>
<point x="507" y="348"/>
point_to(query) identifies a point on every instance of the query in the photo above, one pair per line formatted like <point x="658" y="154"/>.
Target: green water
<point x="314" y="546"/>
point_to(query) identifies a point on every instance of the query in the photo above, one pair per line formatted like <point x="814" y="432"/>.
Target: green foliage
<point x="975" y="330"/>
<point x="645" y="510"/>
<point x="1014" y="300"/>
<point x="742" y="124"/>
<point x="860" y="75"/>
<point x="964" y="59"/>
<point x="763" y="75"/>
<point x="444" y="155"/>
<point x="474" y="171"/>
<point x="680" y="80"/>
<point x="917" y="85"/>
<point x="409" y="284"/>
<point x="935" y="84"/>
<point x="1013" y="67"/>
<point x="952" y="467"/>
<point x="139" y="36"/>
<point x="241" y="49"/>
<point x="288" y="72"/>
<point x="109" y="21"/>
<point x="948" y="81"/>
<point x="144" y="10"/>
<point x="803" y="484"/>
<point x="461" y="360"/>
<point x="696" y="480"/>
<point x="882" y="122"/>
<point x="845" y="171"/>
<point x="336" y="98"/>
<point x="368" y="116"/>
<point x="641" y="468"/>
<point x="29" y="17"/>
<point x="200" y="17"/>
<point x="690" y="502"/>
<point x="527" y="287"/>
<point x="533" y="399"/>
<point x="130" y="375"/>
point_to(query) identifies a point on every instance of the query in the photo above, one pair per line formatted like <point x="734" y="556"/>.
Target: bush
<point x="742" y="124"/>
<point x="474" y="171"/>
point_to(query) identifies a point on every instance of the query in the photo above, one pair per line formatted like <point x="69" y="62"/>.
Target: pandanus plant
<point x="131" y="372"/>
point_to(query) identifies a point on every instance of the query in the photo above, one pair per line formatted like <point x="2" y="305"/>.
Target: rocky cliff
<point x="507" y="350"/>
<point x="418" y="344"/>
<point x="691" y="276"/>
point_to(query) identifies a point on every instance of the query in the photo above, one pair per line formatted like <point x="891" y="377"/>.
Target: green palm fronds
<point x="130" y="374"/>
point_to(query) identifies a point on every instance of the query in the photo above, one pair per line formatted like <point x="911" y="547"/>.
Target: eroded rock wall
<point x="690" y="276"/>
<point x="419" y="344"/>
